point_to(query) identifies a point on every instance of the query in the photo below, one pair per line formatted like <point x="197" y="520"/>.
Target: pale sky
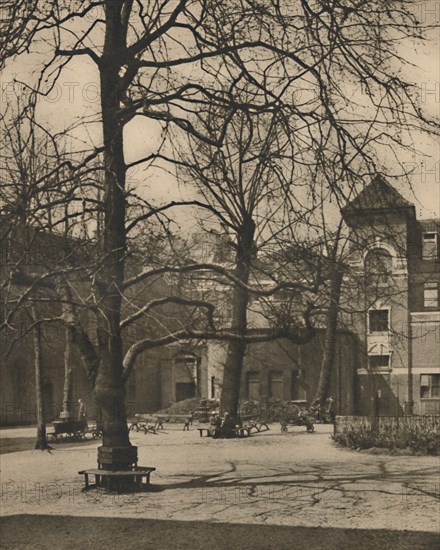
<point x="76" y="96"/>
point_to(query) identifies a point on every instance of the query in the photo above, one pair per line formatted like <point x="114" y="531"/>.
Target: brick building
<point x="388" y="346"/>
<point x="398" y="314"/>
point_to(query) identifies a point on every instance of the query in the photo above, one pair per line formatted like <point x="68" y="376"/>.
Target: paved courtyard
<point x="297" y="490"/>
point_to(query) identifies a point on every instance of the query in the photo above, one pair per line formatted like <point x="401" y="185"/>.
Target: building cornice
<point x="425" y="316"/>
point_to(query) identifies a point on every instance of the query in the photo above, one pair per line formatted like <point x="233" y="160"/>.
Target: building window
<point x="276" y="384"/>
<point x="378" y="265"/>
<point x="253" y="385"/>
<point x="430" y="295"/>
<point x="299" y="391"/>
<point x="429" y="385"/>
<point x="430" y="246"/>
<point x="379" y="361"/>
<point x="378" y="320"/>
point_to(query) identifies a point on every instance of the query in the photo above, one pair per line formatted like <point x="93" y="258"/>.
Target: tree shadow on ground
<point x="283" y="435"/>
<point x="313" y="482"/>
<point x="65" y="532"/>
<point x="18" y="444"/>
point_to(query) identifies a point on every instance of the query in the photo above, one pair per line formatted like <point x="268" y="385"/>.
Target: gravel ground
<point x="296" y="490"/>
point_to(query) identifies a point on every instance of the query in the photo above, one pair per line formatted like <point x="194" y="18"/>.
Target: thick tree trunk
<point x="109" y="391"/>
<point x="236" y="350"/>
<point x="41" y="442"/>
<point x="330" y="342"/>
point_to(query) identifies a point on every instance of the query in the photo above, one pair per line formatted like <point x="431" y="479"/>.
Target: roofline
<point x="347" y="210"/>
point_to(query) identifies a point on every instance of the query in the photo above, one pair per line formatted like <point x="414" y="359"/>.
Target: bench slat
<point x="122" y="473"/>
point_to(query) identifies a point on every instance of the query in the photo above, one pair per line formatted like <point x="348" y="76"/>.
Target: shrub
<point x="422" y="437"/>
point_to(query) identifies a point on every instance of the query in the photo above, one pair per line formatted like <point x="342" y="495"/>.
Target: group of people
<point x="221" y="428"/>
<point x="325" y="414"/>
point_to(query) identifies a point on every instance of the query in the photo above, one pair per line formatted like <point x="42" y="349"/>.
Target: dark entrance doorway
<point x="186" y="376"/>
<point x="185" y="390"/>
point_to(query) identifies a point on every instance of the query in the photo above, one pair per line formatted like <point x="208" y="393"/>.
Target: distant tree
<point x="245" y="183"/>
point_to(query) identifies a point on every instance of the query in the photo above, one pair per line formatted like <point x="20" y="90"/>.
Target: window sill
<point x="380" y="370"/>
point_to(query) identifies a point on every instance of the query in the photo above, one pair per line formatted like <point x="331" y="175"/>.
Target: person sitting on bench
<point x="214" y="424"/>
<point x="227" y="429"/>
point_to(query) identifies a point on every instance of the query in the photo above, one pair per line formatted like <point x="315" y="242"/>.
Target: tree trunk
<point x="70" y="320"/>
<point x="66" y="413"/>
<point x="236" y="350"/>
<point x="41" y="442"/>
<point x="109" y="391"/>
<point x="330" y="342"/>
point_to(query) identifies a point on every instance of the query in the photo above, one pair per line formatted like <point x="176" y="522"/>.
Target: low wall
<point x="386" y="423"/>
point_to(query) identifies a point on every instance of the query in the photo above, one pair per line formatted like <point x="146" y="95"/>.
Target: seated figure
<point x="214" y="424"/>
<point x="227" y="428"/>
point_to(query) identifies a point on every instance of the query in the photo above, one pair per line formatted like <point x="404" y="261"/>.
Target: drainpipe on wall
<point x="199" y="391"/>
<point x="409" y="405"/>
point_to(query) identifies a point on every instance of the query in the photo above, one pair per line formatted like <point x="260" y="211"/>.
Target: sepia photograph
<point x="220" y="274"/>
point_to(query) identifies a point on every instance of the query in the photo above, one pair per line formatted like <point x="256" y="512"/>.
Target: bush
<point x="188" y="406"/>
<point x="419" y="438"/>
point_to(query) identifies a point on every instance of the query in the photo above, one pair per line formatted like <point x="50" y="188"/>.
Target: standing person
<point x="82" y="413"/>
<point x="331" y="410"/>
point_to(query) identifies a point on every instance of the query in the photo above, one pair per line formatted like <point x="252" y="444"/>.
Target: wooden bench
<point x="258" y="426"/>
<point x="187" y="419"/>
<point x="238" y="432"/>
<point x="146" y="424"/>
<point x="68" y="429"/>
<point x="284" y="424"/>
<point x="137" y="472"/>
<point x="94" y="431"/>
<point x="152" y="423"/>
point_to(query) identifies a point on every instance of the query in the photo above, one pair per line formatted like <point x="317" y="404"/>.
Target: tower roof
<point x="378" y="195"/>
